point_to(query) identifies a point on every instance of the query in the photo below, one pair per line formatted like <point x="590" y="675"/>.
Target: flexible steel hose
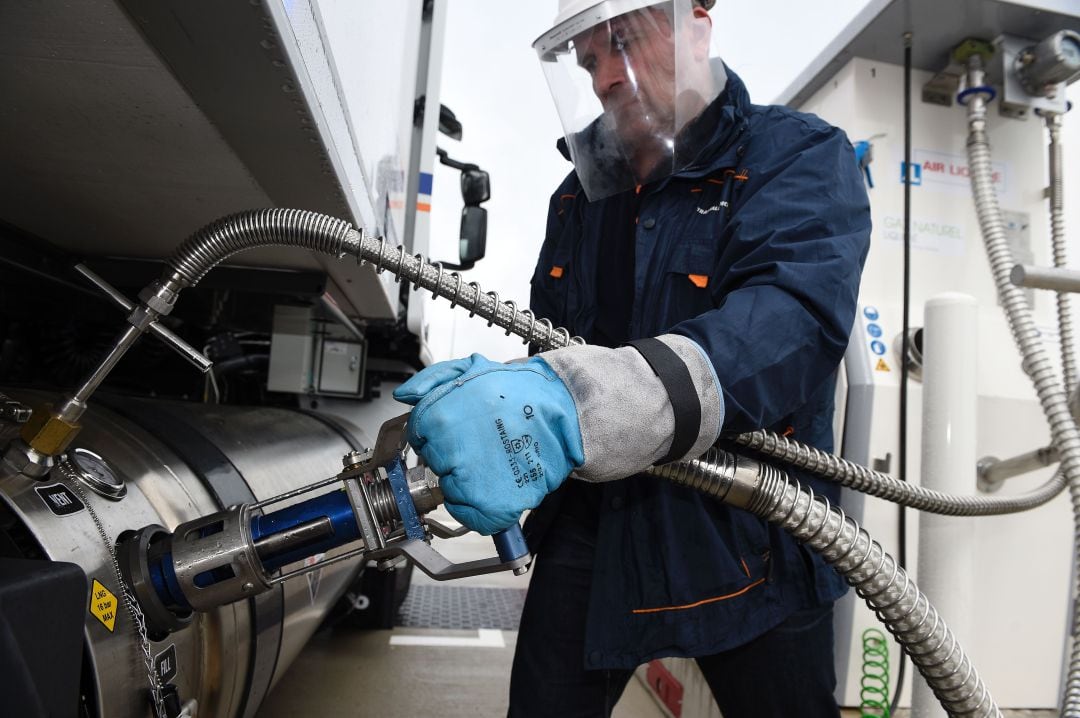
<point x="260" y="228"/>
<point x="337" y="238"/>
<point x="875" y="483"/>
<point x="1052" y="396"/>
<point x="1057" y="242"/>
<point x="876" y="577"/>
<point x="334" y="237"/>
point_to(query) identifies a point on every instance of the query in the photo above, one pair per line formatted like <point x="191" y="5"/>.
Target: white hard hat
<point x="577" y="16"/>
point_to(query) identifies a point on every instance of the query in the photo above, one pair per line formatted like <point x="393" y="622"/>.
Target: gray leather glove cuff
<point x="626" y="418"/>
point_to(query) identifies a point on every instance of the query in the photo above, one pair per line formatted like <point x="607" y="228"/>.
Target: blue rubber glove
<point x="500" y="436"/>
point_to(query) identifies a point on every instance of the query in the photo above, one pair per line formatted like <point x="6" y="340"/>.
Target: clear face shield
<point x="628" y="78"/>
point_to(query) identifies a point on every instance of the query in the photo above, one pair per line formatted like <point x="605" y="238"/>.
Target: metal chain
<point x="129" y="601"/>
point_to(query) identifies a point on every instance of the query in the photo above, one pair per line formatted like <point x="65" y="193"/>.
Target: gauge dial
<point x="96" y="473"/>
<point x="1070" y="52"/>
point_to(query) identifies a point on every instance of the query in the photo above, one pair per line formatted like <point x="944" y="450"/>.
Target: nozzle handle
<point x="510" y="544"/>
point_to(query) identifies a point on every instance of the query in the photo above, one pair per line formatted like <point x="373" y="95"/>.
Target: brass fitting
<point x="972" y="46"/>
<point x="47" y="433"/>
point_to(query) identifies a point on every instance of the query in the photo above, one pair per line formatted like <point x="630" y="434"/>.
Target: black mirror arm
<point x="445" y="159"/>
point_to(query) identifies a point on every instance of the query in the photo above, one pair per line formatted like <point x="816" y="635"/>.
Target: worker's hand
<point x="500" y="436"/>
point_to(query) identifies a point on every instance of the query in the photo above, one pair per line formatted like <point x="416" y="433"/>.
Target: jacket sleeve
<point x="539" y="300"/>
<point x="542" y="294"/>
<point x="793" y="252"/>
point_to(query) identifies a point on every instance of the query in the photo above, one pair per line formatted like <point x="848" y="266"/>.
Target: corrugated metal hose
<point x="759" y="488"/>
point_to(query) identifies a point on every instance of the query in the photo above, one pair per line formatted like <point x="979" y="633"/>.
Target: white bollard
<point x="948" y="464"/>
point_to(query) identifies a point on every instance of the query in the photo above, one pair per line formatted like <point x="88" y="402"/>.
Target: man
<point x="724" y="242"/>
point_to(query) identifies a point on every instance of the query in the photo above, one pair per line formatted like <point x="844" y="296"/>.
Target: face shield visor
<point x="628" y="78"/>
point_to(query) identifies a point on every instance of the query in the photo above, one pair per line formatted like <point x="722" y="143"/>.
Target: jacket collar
<point x="715" y="129"/>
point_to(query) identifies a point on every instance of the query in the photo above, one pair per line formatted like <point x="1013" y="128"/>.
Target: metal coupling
<point x="141" y="318"/>
<point x="13" y="411"/>
<point x="219" y="544"/>
<point x="21" y="458"/>
<point x="354" y="459"/>
<point x="48" y="432"/>
<point x="158" y="297"/>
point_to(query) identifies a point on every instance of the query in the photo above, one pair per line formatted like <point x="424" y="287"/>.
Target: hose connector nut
<point x="356" y="458"/>
<point x="21" y="458"/>
<point x="47" y="433"/>
<point x="142" y="317"/>
<point x="158" y="297"/>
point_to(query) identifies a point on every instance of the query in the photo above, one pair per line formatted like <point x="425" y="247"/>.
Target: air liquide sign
<point x="946" y="171"/>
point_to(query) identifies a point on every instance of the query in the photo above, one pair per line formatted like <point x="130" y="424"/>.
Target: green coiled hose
<point x="874" y="686"/>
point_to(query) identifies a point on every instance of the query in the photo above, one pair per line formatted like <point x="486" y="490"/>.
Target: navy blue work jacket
<point x="755" y="253"/>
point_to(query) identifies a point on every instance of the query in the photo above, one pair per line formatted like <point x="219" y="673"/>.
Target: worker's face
<point x="626" y="87"/>
<point x="631" y="61"/>
<point x="634" y="62"/>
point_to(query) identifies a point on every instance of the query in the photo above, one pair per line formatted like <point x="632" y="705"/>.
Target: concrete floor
<point x="368" y="673"/>
<point x="420" y="671"/>
<point x="359" y="674"/>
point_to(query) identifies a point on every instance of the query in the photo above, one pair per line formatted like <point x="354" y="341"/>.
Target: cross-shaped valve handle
<point x="193" y="355"/>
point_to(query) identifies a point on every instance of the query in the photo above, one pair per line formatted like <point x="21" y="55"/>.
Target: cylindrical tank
<point x="179" y="461"/>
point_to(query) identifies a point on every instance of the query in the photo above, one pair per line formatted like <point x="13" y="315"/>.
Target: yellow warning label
<point x="882" y="366"/>
<point x="103" y="605"/>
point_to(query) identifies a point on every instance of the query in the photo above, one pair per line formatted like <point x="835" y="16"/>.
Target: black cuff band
<point x="679" y="385"/>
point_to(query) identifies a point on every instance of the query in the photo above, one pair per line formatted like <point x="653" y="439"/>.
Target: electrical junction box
<point x="340" y="366"/>
<point x="311" y="356"/>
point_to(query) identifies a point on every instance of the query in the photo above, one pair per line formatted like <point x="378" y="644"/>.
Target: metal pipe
<point x="294" y="537"/>
<point x="75" y="406"/>
<point x="993" y="472"/>
<point x="1058" y="280"/>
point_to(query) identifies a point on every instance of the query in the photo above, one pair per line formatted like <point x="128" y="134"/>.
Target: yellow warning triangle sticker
<point x="882" y="366"/>
<point x="103" y="605"/>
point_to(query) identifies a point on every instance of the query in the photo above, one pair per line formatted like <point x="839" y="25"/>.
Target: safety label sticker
<point x="103" y="605"/>
<point x="878" y="347"/>
<point x="165" y="664"/>
<point x="882" y="366"/>
<point x="59" y="499"/>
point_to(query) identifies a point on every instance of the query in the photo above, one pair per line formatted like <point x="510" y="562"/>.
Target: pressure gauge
<point x="96" y="473"/>
<point x="1070" y="51"/>
<point x="1054" y="60"/>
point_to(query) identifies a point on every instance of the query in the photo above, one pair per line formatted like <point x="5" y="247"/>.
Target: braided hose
<point x="327" y="235"/>
<point x="1057" y="242"/>
<point x="334" y="237"/>
<point x="337" y="238"/>
<point x="1052" y="396"/>
<point x="874" y="574"/>
<point x="875" y="483"/>
<point x="259" y="228"/>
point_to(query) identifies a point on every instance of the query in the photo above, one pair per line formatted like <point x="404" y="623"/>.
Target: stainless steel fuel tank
<point x="180" y="461"/>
